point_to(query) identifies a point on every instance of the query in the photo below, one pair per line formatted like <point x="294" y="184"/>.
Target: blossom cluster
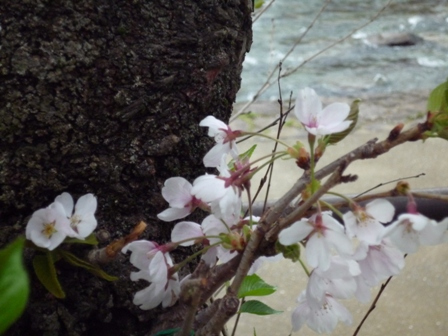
<point x="48" y="227"/>
<point x="342" y="271"/>
<point x="346" y="258"/>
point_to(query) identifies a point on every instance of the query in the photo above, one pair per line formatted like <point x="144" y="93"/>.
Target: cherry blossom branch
<point x="283" y="223"/>
<point x="373" y="149"/>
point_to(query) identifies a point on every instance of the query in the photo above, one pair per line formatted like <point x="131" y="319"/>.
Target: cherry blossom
<point x="177" y="192"/>
<point x="367" y="224"/>
<point x="49" y="227"/>
<point x="323" y="233"/>
<point x="338" y="281"/>
<point x="224" y="138"/>
<point x="190" y="233"/>
<point x="220" y="192"/>
<point x="154" y="263"/>
<point x="410" y="231"/>
<point x="318" y="121"/>
<point x="186" y="232"/>
<point x="379" y="262"/>
<point x="322" y="319"/>
<point x="82" y="220"/>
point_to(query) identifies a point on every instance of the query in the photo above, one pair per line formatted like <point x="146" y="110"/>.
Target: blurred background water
<point x="352" y="68"/>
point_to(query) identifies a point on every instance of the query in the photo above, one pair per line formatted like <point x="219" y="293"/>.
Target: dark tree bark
<point x="105" y="96"/>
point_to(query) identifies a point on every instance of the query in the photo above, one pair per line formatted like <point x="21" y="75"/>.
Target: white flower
<point x="187" y="233"/>
<point x="83" y="220"/>
<point x="338" y="281"/>
<point x="316" y="120"/>
<point x="48" y="227"/>
<point x="379" y="262"/>
<point x="218" y="191"/>
<point x="163" y="289"/>
<point x="177" y="192"/>
<point x="154" y="266"/>
<point x="323" y="233"/>
<point x="322" y="319"/>
<point x="410" y="231"/>
<point x="366" y="224"/>
<point x="224" y="138"/>
<point x="142" y="253"/>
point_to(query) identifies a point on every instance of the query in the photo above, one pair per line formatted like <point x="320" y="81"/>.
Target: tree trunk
<point x="105" y="97"/>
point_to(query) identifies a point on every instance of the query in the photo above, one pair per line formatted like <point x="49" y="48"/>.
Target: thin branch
<point x="389" y="182"/>
<point x="264" y="9"/>
<point x="382" y="9"/>
<point x="281" y="123"/>
<point x="303" y="208"/>
<point x="272" y="124"/>
<point x="273" y="71"/>
<point x="437" y="197"/>
<point x="372" y="306"/>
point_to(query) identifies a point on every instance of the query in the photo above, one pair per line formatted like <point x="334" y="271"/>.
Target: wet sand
<point x="416" y="301"/>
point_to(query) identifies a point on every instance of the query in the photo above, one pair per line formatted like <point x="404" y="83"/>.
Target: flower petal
<point x="307" y="106"/>
<point x="67" y="202"/>
<point x="381" y="209"/>
<point x="186" y="230"/>
<point x="172" y="214"/>
<point x="295" y="233"/>
<point x="177" y="192"/>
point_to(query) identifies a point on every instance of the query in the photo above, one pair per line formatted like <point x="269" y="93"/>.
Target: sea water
<point x="354" y="66"/>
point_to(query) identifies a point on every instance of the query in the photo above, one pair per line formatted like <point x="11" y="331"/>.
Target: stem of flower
<point x="312" y="141"/>
<point x="332" y="208"/>
<point x="268" y="137"/>
<point x="307" y="272"/>
<point x="178" y="266"/>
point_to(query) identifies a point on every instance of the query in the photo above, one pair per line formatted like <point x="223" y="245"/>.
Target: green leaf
<point x="74" y="260"/>
<point x="243" y="156"/>
<point x="14" y="284"/>
<point x="438" y="99"/>
<point x="258" y="3"/>
<point x="89" y="240"/>
<point x="289" y="252"/>
<point x="353" y="117"/>
<point x="247" y="154"/>
<point x="255" y="332"/>
<point x="258" y="308"/>
<point x="253" y="285"/>
<point x="43" y="265"/>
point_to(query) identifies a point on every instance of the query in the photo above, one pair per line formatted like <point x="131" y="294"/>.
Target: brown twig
<point x="109" y="252"/>
<point x="443" y="198"/>
<point x="372" y="306"/>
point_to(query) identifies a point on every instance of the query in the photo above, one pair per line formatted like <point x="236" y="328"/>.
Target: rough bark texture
<point x="105" y="97"/>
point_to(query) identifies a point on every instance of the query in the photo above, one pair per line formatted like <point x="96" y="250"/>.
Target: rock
<point x="393" y="39"/>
